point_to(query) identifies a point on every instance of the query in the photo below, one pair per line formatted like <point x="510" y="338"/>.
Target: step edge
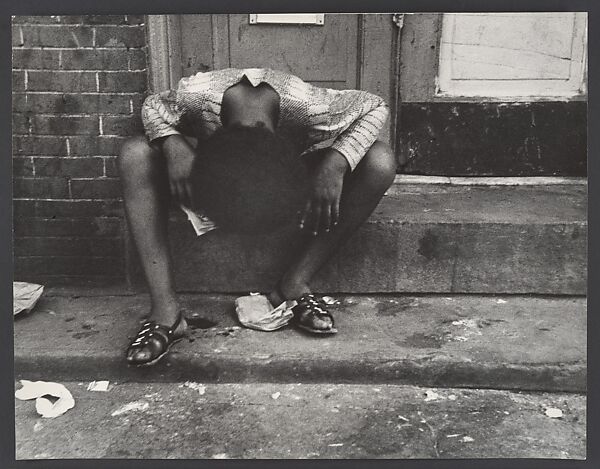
<point x="401" y="179"/>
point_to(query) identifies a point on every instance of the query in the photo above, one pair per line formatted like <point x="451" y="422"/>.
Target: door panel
<point x="325" y="54"/>
<point x="347" y="51"/>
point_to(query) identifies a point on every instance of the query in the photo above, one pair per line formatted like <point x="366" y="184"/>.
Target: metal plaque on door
<point x="294" y="18"/>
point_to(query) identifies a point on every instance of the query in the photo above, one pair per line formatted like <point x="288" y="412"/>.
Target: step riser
<point x="395" y="257"/>
<point x="232" y="370"/>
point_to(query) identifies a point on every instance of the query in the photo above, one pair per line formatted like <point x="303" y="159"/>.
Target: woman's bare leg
<point x="363" y="189"/>
<point x="146" y="197"/>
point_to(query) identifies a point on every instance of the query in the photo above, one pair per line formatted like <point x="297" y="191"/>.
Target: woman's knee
<point x="380" y="163"/>
<point x="136" y="155"/>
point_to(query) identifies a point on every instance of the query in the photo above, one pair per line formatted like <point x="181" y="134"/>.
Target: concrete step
<point x="325" y="421"/>
<point x="423" y="238"/>
<point x="503" y="342"/>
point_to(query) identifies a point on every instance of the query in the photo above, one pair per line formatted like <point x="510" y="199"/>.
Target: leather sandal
<point x="309" y="306"/>
<point x="157" y="338"/>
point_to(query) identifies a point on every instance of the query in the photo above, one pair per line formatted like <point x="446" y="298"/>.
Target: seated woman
<point x="270" y="146"/>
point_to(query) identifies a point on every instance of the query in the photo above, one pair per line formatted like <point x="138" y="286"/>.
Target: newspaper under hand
<point x="201" y="224"/>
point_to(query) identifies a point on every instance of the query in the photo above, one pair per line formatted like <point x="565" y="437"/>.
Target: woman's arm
<point x="371" y="114"/>
<point x="160" y="115"/>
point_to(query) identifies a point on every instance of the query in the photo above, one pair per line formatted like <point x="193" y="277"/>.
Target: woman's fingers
<point x="305" y="215"/>
<point x="173" y="189"/>
<point x="335" y="213"/>
<point x="182" y="192"/>
<point x="316" y="217"/>
<point x="326" y="216"/>
<point x="187" y="189"/>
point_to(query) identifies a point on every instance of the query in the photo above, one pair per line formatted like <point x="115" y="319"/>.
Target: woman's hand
<point x="322" y="210"/>
<point x="180" y="159"/>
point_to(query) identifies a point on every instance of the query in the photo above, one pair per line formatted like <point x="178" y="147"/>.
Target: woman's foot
<point x="156" y="336"/>
<point x="310" y="314"/>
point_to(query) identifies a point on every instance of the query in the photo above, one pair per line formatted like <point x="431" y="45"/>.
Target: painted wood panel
<point x="419" y="56"/>
<point x="512" y="54"/>
<point x="347" y="51"/>
<point x="325" y="54"/>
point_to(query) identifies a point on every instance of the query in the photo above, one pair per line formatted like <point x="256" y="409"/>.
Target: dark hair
<point x="248" y="179"/>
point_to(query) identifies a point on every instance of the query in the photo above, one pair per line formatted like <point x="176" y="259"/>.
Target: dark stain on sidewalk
<point x="428" y="245"/>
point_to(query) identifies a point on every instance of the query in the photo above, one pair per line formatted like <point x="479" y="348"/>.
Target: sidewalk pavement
<point x="508" y="342"/>
<point x="327" y="421"/>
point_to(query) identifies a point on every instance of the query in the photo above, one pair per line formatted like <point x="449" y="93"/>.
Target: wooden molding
<point x="376" y="49"/>
<point x="164" y="51"/>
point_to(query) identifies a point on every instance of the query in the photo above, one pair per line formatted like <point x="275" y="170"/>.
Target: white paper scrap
<point x="431" y="396"/>
<point x="44" y="406"/>
<point x="25" y="296"/>
<point x="131" y="406"/>
<point x="201" y="223"/>
<point x="196" y="386"/>
<point x="98" y="386"/>
<point x="554" y="413"/>
<point x="330" y="300"/>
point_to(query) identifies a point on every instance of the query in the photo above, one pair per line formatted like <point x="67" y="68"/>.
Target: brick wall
<point x="78" y="84"/>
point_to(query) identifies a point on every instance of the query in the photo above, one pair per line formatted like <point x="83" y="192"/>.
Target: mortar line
<point x="87" y="70"/>
<point x="90" y="48"/>
<point x="86" y="93"/>
<point x="79" y="25"/>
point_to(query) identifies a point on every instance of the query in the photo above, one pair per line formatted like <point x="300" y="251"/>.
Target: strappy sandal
<point x="157" y="337"/>
<point x="309" y="306"/>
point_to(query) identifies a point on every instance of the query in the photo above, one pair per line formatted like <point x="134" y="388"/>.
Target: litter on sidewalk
<point x="195" y="386"/>
<point x="25" y="296"/>
<point x="328" y="300"/>
<point x="431" y="396"/>
<point x="131" y="407"/>
<point x="554" y="413"/>
<point x="38" y="390"/>
<point x="256" y="312"/>
<point x="98" y="386"/>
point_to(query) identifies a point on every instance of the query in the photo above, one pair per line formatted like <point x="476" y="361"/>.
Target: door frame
<point x="378" y="64"/>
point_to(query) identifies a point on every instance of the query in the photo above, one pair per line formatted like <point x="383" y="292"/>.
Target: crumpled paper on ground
<point x="25" y="296"/>
<point x="256" y="312"/>
<point x="44" y="406"/>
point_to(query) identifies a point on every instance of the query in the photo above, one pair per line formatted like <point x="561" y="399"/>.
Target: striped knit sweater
<point x="347" y="120"/>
